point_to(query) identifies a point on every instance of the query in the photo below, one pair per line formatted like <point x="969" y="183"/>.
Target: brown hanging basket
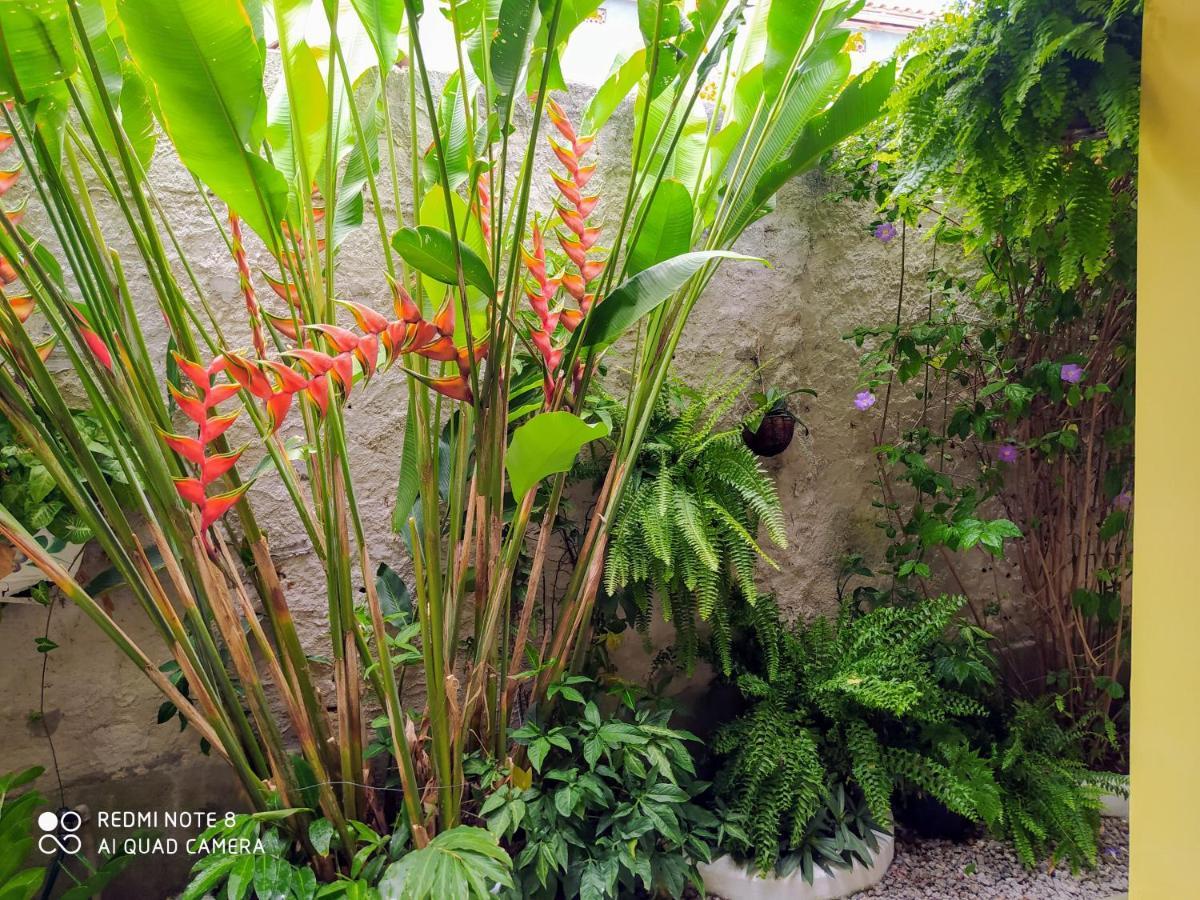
<point x="773" y="435"/>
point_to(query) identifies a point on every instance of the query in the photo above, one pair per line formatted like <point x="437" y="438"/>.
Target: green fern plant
<point x="839" y="691"/>
<point x="1051" y="799"/>
<point x="687" y="529"/>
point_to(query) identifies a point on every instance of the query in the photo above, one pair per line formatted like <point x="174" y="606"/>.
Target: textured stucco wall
<point x="828" y="275"/>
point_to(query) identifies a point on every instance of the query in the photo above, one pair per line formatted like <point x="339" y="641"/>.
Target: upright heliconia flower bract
<point x="585" y="261"/>
<point x="247" y="286"/>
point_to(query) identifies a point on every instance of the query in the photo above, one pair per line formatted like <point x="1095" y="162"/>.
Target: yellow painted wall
<point x="1166" y="632"/>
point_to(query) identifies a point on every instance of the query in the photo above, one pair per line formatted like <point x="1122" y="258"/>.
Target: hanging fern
<point x="687" y="529"/>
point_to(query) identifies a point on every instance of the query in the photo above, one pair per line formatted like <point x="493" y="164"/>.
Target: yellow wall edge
<point x="1165" y="803"/>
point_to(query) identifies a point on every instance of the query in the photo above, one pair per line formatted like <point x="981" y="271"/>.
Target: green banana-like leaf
<point x="856" y="107"/>
<point x="430" y="251"/>
<point x="382" y="20"/>
<point x="640" y="294"/>
<point x="545" y="445"/>
<point x="613" y="91"/>
<point x="510" y="47"/>
<point x="789" y="24"/>
<point x="36" y="48"/>
<point x="667" y="229"/>
<point x="204" y="65"/>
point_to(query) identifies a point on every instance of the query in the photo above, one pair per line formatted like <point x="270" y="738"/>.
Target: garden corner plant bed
<point x="469" y="730"/>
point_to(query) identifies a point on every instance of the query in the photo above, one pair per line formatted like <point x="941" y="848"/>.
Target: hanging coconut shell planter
<point x="769" y="429"/>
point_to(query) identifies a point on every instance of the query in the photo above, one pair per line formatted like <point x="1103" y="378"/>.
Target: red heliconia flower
<point x="456" y="387"/>
<point x="243" y="266"/>
<point x="285" y="325"/>
<point x="94" y="342"/>
<point x="200" y="406"/>
<point x="22" y="306"/>
<point x="8" y="177"/>
<point x="7" y="273"/>
<point x="285" y="290"/>
<point x="17" y="213"/>
<point x="6" y="141"/>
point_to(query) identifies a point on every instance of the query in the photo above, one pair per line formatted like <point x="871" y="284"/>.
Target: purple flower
<point x="1006" y="453"/>
<point x="1071" y="373"/>
<point x="885" y="231"/>
<point x="1123" y="500"/>
<point x="864" y="400"/>
<point x="873" y="168"/>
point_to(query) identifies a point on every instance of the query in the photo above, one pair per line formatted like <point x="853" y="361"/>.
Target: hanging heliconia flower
<point x="247" y="286"/>
<point x="22" y="304"/>
<point x="201" y="408"/>
<point x="579" y="244"/>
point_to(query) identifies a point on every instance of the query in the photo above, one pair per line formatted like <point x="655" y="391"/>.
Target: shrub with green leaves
<point x="1051" y="799"/>
<point x="254" y="856"/>
<point x="824" y="700"/>
<point x="29" y="491"/>
<point x="612" y="809"/>
<point x="1005" y="376"/>
<point x="687" y="529"/>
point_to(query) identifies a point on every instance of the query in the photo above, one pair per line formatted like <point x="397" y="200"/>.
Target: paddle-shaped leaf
<point x="510" y="47"/>
<point x="644" y="291"/>
<point x="382" y="20"/>
<point x="204" y="66"/>
<point x="547" y="444"/>
<point x="430" y="251"/>
<point x="667" y="229"/>
<point x="36" y="50"/>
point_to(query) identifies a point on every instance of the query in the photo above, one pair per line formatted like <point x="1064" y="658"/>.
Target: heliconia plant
<point x="485" y="287"/>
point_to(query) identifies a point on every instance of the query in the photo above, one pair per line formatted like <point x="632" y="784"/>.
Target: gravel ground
<point x="988" y="870"/>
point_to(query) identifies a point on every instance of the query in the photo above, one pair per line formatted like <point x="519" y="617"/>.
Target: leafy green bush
<point x="612" y="809"/>
<point x="30" y="493"/>
<point x="822" y="701"/>
<point x="253" y="856"/>
<point x="1011" y="143"/>
<point x="892" y="701"/>
<point x="687" y="527"/>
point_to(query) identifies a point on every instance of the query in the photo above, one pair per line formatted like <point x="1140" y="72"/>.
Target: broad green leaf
<point x="382" y="20"/>
<point x="430" y="251"/>
<point x="614" y="90"/>
<point x="573" y="13"/>
<point x="824" y="72"/>
<point x="644" y="291"/>
<point x="856" y="107"/>
<point x="204" y="66"/>
<point x="305" y="117"/>
<point x="36" y="47"/>
<point x="463" y="862"/>
<point x="510" y="47"/>
<point x="546" y="444"/>
<point x="350" y="205"/>
<point x="789" y="24"/>
<point x="394" y="598"/>
<point x="667" y="228"/>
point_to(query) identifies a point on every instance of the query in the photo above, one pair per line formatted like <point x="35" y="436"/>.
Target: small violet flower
<point x="864" y="400"/>
<point x="1006" y="453"/>
<point x="873" y="168"/>
<point x="1071" y="373"/>
<point x="885" y="231"/>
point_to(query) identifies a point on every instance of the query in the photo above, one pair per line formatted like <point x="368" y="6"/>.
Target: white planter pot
<point x="21" y="574"/>
<point x="1114" y="806"/>
<point x="726" y="878"/>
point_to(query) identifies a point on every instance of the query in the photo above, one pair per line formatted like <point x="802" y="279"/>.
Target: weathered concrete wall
<point x="828" y="275"/>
